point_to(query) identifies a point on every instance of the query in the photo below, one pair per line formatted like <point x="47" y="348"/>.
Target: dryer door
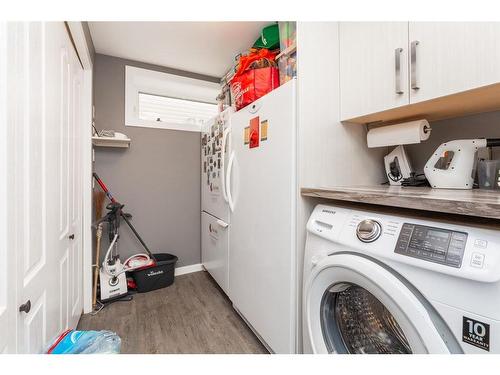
<point x="354" y="304"/>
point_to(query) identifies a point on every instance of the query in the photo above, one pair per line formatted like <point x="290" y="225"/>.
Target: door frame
<point x="85" y="53"/>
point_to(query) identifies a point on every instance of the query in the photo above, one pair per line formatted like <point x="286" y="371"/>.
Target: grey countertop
<point x="476" y="202"/>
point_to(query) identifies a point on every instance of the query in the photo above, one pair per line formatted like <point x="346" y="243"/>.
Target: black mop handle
<point x="124" y="216"/>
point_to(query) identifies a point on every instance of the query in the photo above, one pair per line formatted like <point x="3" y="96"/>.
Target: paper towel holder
<point x="409" y="132"/>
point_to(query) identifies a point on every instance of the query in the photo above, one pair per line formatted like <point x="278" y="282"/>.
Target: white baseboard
<point x="188" y="269"/>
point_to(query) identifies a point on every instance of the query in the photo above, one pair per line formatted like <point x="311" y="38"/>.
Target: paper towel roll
<point x="399" y="134"/>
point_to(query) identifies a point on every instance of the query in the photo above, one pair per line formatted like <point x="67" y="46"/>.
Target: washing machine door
<point x="355" y="304"/>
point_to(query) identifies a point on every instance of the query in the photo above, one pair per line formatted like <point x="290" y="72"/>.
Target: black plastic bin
<point x="157" y="277"/>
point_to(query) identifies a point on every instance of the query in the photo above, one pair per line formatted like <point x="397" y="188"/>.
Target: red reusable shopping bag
<point x="254" y="84"/>
<point x="249" y="84"/>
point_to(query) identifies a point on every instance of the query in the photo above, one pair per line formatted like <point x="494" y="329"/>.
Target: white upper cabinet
<point x="450" y="57"/>
<point x="373" y="67"/>
<point x="435" y="59"/>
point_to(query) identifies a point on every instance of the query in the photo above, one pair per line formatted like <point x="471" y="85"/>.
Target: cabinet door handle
<point x="413" y="65"/>
<point x="397" y="64"/>
<point x="71" y="236"/>
<point x="25" y="307"/>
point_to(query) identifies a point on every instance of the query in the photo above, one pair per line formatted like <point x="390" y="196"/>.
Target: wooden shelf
<point x="476" y="202"/>
<point x="111" y="142"/>
<point x="482" y="99"/>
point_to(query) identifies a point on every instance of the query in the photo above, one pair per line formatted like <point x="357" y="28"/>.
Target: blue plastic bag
<point x="87" y="342"/>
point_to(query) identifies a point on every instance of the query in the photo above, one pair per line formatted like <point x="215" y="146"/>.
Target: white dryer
<point x="376" y="283"/>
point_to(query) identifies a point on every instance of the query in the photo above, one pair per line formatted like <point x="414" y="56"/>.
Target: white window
<point x="166" y="101"/>
<point x="173" y="110"/>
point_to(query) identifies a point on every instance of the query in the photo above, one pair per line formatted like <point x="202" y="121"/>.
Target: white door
<point x="7" y="253"/>
<point x="373" y="67"/>
<point x="263" y="192"/>
<point x="214" y="248"/>
<point x="65" y="179"/>
<point x="44" y="128"/>
<point x="451" y="57"/>
<point x="355" y="305"/>
<point x="29" y="132"/>
<point x="214" y="155"/>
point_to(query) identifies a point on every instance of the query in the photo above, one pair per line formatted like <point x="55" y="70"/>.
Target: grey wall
<point x="484" y="125"/>
<point x="158" y="177"/>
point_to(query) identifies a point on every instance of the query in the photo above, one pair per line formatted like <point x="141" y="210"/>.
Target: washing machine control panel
<point x="432" y="244"/>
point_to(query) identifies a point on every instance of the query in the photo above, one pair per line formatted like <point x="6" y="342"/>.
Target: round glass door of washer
<point x="353" y="304"/>
<point x="354" y="321"/>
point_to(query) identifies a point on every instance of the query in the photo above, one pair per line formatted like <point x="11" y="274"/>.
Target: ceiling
<point x="200" y="47"/>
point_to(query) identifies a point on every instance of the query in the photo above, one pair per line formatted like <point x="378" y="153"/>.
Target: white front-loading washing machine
<point x="376" y="283"/>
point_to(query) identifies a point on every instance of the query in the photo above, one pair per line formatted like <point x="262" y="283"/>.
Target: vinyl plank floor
<point x="191" y="316"/>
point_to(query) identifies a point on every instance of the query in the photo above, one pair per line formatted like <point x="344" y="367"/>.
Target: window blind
<point x="174" y="111"/>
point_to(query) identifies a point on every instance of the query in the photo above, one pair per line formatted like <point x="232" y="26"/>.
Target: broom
<point x="99" y="197"/>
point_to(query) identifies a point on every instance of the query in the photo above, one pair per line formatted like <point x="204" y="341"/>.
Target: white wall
<point x="329" y="153"/>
